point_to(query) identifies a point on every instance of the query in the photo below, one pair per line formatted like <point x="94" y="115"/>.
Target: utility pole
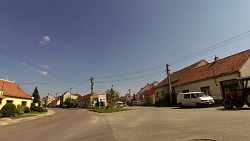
<point x="92" y="90"/>
<point x="129" y="91"/>
<point x="70" y="96"/>
<point x="169" y="84"/>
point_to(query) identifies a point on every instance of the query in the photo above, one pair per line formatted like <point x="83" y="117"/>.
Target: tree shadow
<point x="234" y="109"/>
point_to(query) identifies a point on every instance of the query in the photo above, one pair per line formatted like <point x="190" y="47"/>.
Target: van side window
<point x="187" y="96"/>
<point x="193" y="96"/>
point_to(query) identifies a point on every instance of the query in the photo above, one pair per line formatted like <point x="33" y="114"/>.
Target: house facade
<point x="10" y="92"/>
<point x="69" y="95"/>
<point x="85" y="101"/>
<point x="217" y="78"/>
<point x="55" y="103"/>
<point x="162" y="90"/>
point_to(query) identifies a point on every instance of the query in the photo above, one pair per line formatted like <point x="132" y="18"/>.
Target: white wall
<point x="215" y="90"/>
<point x="67" y="95"/>
<point x="245" y="70"/>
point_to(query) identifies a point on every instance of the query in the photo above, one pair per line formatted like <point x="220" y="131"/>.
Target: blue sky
<point x="57" y="45"/>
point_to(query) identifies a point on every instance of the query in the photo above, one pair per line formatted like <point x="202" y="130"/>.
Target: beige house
<point x="10" y="92"/>
<point x="218" y="77"/>
<point x="69" y="95"/>
<point x="85" y="100"/>
<point x="162" y="90"/>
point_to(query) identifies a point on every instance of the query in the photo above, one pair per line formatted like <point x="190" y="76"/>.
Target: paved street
<point x="143" y="123"/>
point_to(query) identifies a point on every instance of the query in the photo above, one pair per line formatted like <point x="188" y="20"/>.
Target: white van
<point x="197" y="99"/>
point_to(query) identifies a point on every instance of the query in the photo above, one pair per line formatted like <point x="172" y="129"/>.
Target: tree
<point x="112" y="96"/>
<point x="71" y="103"/>
<point x="36" y="96"/>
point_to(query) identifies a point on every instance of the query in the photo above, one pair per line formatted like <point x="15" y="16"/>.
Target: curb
<point x="7" y="121"/>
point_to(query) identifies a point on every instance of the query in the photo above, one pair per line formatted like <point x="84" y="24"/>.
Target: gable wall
<point x="245" y="70"/>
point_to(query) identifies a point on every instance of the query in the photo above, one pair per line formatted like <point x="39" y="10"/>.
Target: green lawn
<point x="110" y="110"/>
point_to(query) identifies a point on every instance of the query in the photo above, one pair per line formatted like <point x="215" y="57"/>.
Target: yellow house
<point x="10" y="92"/>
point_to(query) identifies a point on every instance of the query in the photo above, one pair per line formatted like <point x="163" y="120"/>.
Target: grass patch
<point x="110" y="110"/>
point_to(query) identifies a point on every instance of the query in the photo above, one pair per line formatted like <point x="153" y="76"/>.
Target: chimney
<point x="216" y="58"/>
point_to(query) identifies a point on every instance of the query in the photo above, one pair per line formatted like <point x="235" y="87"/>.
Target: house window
<point x="206" y="90"/>
<point x="24" y="103"/>
<point x="10" y="101"/>
<point x="157" y="94"/>
<point x="162" y="93"/>
<point x="185" y="91"/>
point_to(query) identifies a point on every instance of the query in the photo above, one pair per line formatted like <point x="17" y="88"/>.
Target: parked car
<point x="197" y="99"/>
<point x="136" y="103"/>
<point x="119" y="104"/>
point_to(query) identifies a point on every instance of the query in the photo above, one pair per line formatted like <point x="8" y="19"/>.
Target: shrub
<point x="0" y="114"/>
<point x="20" y="109"/>
<point x="8" y="110"/>
<point x="27" y="110"/>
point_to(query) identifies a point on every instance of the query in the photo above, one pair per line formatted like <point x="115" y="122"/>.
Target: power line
<point x="136" y="77"/>
<point x="216" y="46"/>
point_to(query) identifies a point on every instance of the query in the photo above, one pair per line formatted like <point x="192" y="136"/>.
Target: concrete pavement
<point x="7" y="121"/>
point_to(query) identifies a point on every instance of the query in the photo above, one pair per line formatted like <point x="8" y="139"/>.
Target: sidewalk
<point x="6" y="121"/>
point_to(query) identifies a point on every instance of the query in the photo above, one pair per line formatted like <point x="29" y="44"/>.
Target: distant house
<point x="69" y="95"/>
<point x="85" y="100"/>
<point x="148" y="86"/>
<point x="47" y="100"/>
<point x="10" y="92"/>
<point x="162" y="90"/>
<point x="148" y="96"/>
<point x="218" y="77"/>
<point x="55" y="103"/>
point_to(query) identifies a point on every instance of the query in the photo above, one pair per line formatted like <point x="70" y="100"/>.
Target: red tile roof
<point x="76" y="95"/>
<point x="56" y="100"/>
<point x="175" y="77"/>
<point x="87" y="96"/>
<point x="11" y="89"/>
<point x="149" y="92"/>
<point x="222" y="67"/>
<point x="2" y="97"/>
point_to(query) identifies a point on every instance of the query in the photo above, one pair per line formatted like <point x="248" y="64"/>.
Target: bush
<point x="20" y="109"/>
<point x="8" y="110"/>
<point x="1" y="115"/>
<point x="27" y="110"/>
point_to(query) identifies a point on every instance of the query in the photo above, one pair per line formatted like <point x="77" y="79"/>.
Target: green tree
<point x="36" y="96"/>
<point x="112" y="96"/>
<point x="71" y="103"/>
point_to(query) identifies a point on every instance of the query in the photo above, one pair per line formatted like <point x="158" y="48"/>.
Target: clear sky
<point x="59" y="44"/>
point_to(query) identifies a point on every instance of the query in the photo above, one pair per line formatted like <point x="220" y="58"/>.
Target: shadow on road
<point x="234" y="109"/>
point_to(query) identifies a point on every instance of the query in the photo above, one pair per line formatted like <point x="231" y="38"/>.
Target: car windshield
<point x="200" y="94"/>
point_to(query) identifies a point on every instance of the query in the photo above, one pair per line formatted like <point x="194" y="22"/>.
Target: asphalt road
<point x="150" y="124"/>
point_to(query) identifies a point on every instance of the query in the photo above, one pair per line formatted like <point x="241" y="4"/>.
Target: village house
<point x="162" y="90"/>
<point x="69" y="95"/>
<point x="148" y="86"/>
<point x="218" y="77"/>
<point x="55" y="103"/>
<point x="148" y="96"/>
<point x="10" y="92"/>
<point x="85" y="101"/>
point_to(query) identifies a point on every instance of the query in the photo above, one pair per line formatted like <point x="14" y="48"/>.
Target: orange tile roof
<point x="11" y="89"/>
<point x="175" y="77"/>
<point x="76" y="94"/>
<point x="87" y="96"/>
<point x="56" y="100"/>
<point x="222" y="67"/>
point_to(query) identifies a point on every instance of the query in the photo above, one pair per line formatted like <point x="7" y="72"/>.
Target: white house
<point x="218" y="77"/>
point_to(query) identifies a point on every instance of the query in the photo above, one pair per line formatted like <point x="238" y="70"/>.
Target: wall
<point x="215" y="90"/>
<point x="16" y="101"/>
<point x="159" y="90"/>
<point x="67" y="95"/>
<point x="245" y="70"/>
